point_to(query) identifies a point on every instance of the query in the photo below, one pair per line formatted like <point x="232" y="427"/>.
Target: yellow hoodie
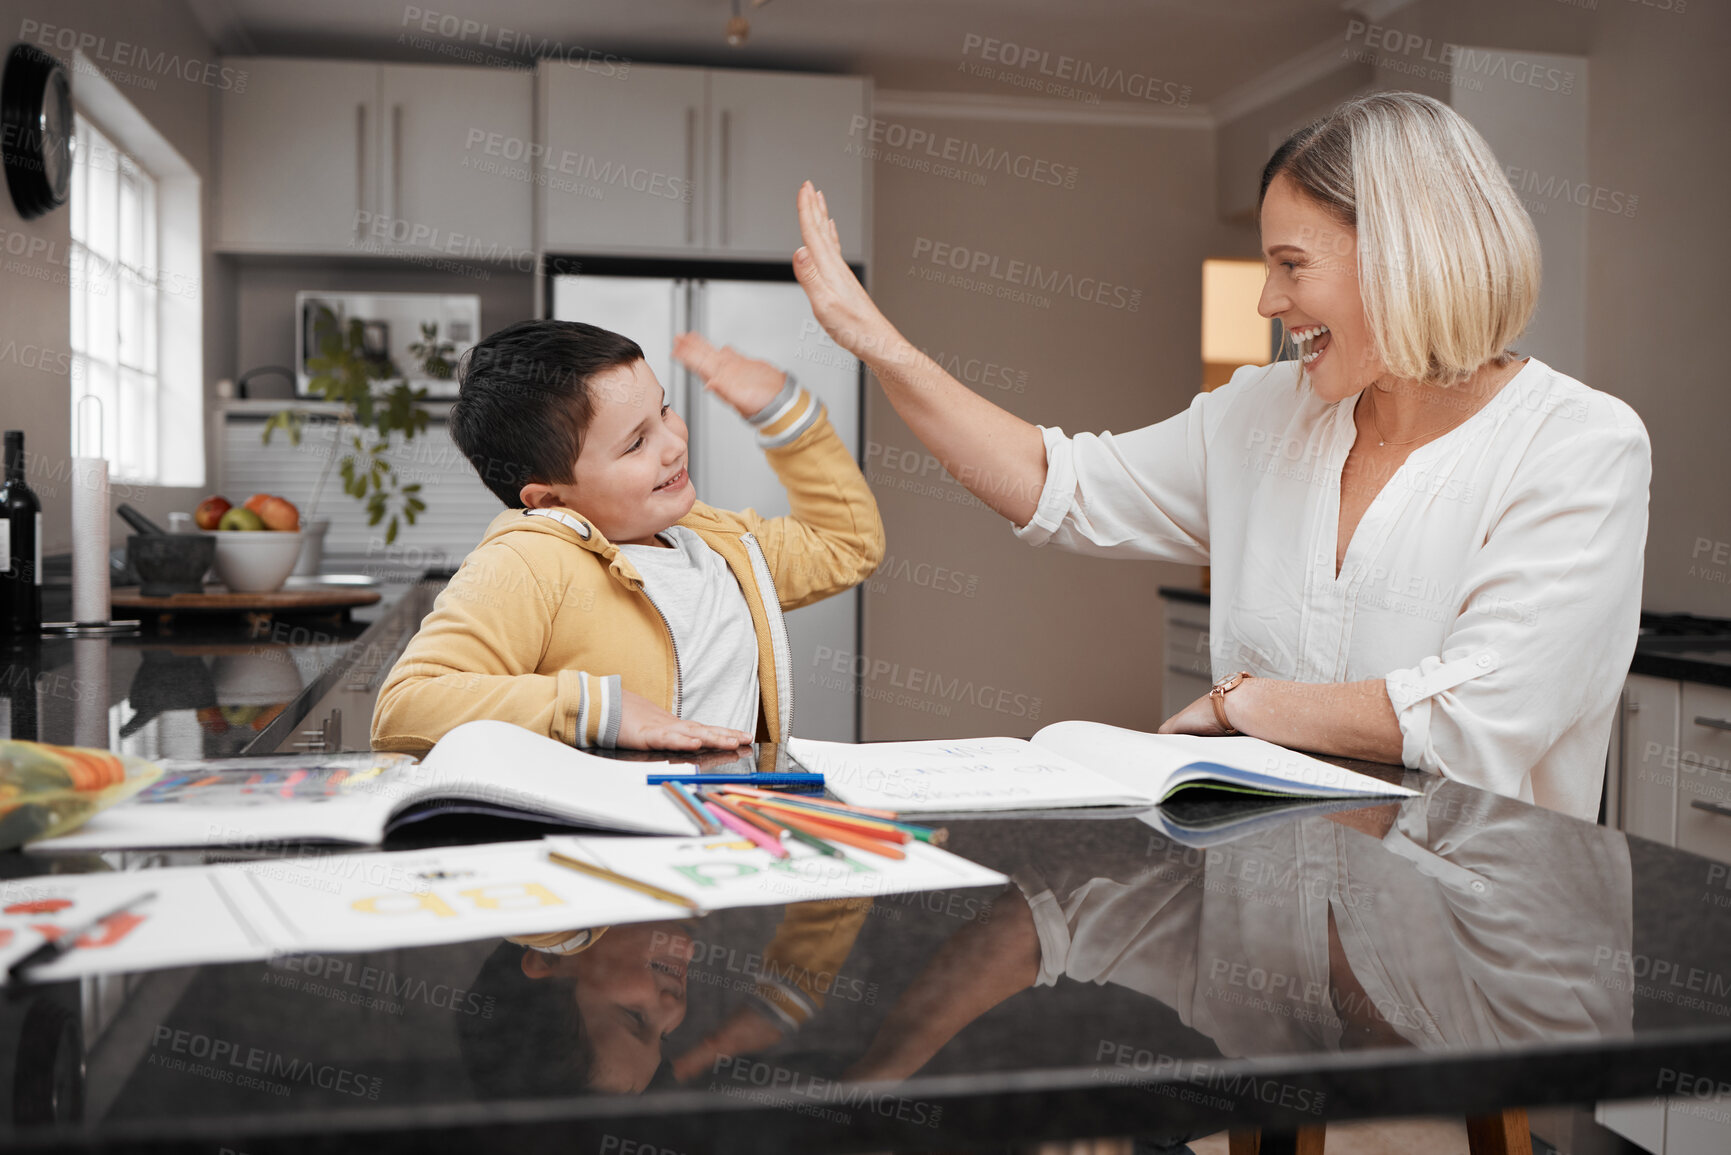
<point x="546" y="621"/>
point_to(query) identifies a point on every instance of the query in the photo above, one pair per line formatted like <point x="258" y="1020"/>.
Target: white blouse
<point x="1494" y="583"/>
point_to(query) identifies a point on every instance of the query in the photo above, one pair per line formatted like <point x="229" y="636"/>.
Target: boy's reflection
<point x="586" y="1011"/>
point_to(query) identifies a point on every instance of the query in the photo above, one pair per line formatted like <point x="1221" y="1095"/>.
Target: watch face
<point x="56" y="135"/>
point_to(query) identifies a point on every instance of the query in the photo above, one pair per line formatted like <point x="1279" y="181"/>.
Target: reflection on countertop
<point x="225" y="687"/>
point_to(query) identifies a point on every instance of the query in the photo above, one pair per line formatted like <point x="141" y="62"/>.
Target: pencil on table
<point x="746" y="830"/>
<point x="769" y="825"/>
<point x="844" y="835"/>
<point x="825" y="803"/>
<point x="871" y="827"/>
<point x="626" y="881"/>
<point x="688" y="804"/>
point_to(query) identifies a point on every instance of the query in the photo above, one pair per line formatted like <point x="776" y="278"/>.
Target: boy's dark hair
<point x="523" y="401"/>
<point x="535" y="1044"/>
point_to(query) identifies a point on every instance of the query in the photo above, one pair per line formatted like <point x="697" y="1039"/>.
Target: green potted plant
<point x="376" y="403"/>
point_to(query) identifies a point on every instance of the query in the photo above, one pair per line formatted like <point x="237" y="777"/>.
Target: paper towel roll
<point x="90" y="539"/>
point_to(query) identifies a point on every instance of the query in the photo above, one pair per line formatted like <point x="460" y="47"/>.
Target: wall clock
<point x="36" y="130"/>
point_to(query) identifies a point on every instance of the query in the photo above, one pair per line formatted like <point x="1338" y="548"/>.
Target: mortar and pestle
<point x="167" y="563"/>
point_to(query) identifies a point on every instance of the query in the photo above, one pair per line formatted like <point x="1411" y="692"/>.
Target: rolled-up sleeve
<point x="1549" y="614"/>
<point x="1141" y="494"/>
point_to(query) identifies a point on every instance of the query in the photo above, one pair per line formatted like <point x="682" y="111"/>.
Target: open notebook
<point x="1074" y="764"/>
<point x="486" y="767"/>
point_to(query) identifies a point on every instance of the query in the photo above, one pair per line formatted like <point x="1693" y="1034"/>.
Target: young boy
<point x="608" y="606"/>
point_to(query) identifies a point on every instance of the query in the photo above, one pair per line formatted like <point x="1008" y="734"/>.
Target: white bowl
<point x="255" y="561"/>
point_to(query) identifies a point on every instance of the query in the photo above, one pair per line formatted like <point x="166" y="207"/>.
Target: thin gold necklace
<point x="1383" y="440"/>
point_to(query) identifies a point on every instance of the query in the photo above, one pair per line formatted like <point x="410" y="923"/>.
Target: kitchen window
<point x="136" y="323"/>
<point x="114" y="304"/>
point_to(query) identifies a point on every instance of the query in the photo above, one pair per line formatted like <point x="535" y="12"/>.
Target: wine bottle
<point x="20" y="547"/>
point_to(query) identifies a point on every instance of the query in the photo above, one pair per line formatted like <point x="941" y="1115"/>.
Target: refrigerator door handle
<point x="690" y="172"/>
<point x="726" y="149"/>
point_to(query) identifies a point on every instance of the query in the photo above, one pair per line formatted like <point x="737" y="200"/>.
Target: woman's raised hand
<point x="838" y="301"/>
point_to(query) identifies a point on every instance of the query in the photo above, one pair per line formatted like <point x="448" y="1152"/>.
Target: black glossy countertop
<point x="206" y="686"/>
<point x="1456" y="953"/>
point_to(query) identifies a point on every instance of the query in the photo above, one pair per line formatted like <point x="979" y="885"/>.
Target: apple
<point x="240" y="519"/>
<point x="210" y="511"/>
<point x="274" y="511"/>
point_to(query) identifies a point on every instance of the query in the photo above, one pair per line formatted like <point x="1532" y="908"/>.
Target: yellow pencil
<point x="618" y="879"/>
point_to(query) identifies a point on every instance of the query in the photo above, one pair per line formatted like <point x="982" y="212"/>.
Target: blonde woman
<point x="1425" y="548"/>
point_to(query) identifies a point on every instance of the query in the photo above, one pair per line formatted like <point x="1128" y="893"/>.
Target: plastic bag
<point x="47" y="791"/>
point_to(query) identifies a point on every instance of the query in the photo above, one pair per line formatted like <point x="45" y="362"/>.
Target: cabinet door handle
<point x="726" y="134"/>
<point x="360" y="165"/>
<point x="1713" y="723"/>
<point x="690" y="171"/>
<point x="1718" y="808"/>
<point x="396" y="163"/>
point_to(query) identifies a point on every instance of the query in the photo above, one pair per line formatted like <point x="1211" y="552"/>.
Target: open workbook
<point x="1076" y="764"/>
<point x="486" y="767"/>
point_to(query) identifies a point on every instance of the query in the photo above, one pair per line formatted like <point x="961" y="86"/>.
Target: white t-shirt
<point x="713" y="635"/>
<point x="1494" y="584"/>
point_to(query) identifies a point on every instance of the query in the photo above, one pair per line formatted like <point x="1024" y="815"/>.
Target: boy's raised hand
<point x="745" y="384"/>
<point x="643" y="725"/>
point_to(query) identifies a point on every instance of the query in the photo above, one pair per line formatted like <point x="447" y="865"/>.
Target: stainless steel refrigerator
<point x="770" y="320"/>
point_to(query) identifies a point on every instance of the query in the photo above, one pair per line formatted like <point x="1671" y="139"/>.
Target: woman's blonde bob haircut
<point x="1448" y="260"/>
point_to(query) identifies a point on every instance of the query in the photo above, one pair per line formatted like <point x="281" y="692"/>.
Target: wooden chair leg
<point x="1505" y="1133"/>
<point x="1304" y="1141"/>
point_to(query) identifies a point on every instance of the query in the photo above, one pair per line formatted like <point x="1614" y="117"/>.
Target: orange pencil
<point x="867" y="826"/>
<point x="826" y="803"/>
<point x="844" y="835"/>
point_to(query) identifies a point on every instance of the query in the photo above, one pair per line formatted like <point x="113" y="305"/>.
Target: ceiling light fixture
<point x="738" y="28"/>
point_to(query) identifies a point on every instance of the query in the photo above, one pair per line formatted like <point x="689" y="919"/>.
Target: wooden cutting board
<point x="219" y="599"/>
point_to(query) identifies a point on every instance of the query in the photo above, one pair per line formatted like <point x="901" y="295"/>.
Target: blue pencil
<point x="788" y="779"/>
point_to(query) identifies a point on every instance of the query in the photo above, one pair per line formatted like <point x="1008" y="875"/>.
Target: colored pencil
<point x="844" y="836"/>
<point x="747" y="831"/>
<point x="705" y="824"/>
<point x="626" y="881"/>
<point x="936" y="836"/>
<point x="870" y="827"/>
<point x="826" y="803"/>
<point x="764" y="824"/>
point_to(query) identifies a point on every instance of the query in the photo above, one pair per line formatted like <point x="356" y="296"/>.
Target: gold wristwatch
<point x="1218" y="696"/>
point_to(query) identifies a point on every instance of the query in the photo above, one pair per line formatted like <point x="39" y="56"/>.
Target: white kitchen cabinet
<point x="299" y="155"/>
<point x="669" y="161"/>
<point x="344" y="157"/>
<point x="1646" y="782"/>
<point x="769" y="132"/>
<point x="1704" y="772"/>
<point x="446" y="183"/>
<point x="623" y="159"/>
<point x="1671" y="757"/>
<point x="1187" y="671"/>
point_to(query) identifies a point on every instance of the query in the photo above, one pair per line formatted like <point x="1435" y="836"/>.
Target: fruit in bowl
<point x="209" y="513"/>
<point x="240" y="520"/>
<point x="276" y="512"/>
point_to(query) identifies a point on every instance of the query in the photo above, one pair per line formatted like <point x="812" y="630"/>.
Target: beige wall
<point x="1659" y="102"/>
<point x="34" y="294"/>
<point x="1032" y="629"/>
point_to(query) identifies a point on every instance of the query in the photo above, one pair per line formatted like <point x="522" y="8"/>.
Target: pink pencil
<point x="746" y="830"/>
